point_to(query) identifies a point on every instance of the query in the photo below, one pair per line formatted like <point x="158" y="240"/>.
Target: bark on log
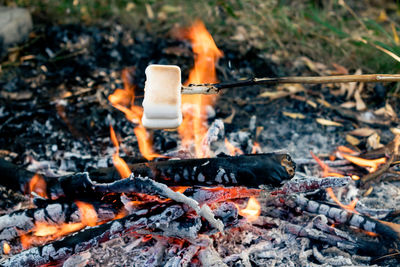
<point x="244" y="170"/>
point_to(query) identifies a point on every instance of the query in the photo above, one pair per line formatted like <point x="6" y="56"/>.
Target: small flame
<point x="328" y="171"/>
<point x="145" y="143"/>
<point x="88" y="213"/>
<point x="6" y="248"/>
<point x="350" y="207"/>
<point x="256" y="148"/>
<point x="124" y="100"/>
<point x="371" y="164"/>
<point x="119" y="163"/>
<point x="233" y="151"/>
<point x="194" y="125"/>
<point x="252" y="210"/>
<point x="38" y="185"/>
<point x="347" y="150"/>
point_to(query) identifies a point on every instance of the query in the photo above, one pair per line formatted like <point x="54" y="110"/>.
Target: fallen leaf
<point x="383" y="17"/>
<point x="294" y="115"/>
<point x="363" y="132"/>
<point x="339" y="70"/>
<point x="386" y="111"/>
<point x="283" y="91"/>
<point x="395" y="131"/>
<point x="374" y="141"/>
<point x="324" y="102"/>
<point x="360" y="105"/>
<point x="230" y="117"/>
<point x="349" y="104"/>
<point x="352" y="140"/>
<point x="312" y="103"/>
<point x="328" y="122"/>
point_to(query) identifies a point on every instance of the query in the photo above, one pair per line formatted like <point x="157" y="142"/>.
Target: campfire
<point x="200" y="197"/>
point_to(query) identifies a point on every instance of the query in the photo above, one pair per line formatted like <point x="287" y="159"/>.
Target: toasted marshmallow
<point x="162" y="97"/>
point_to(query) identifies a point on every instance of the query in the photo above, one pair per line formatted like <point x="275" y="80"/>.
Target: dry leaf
<point x="314" y="66"/>
<point x="360" y="105"/>
<point x="369" y="191"/>
<point x="349" y="104"/>
<point x="395" y="131"/>
<point x="312" y="103"/>
<point x="339" y="70"/>
<point x="323" y="102"/>
<point x="386" y="111"/>
<point x="374" y="141"/>
<point x="363" y="132"/>
<point x="349" y="88"/>
<point x="352" y="140"/>
<point x="230" y="117"/>
<point x="294" y="115"/>
<point x="328" y="122"/>
<point x="284" y="90"/>
<point x="382" y="16"/>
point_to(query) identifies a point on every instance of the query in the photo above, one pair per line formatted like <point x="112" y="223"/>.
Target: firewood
<point x="244" y="170"/>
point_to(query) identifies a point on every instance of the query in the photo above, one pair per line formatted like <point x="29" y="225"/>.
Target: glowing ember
<point x="252" y="210"/>
<point x="88" y="213"/>
<point x="256" y="148"/>
<point x="327" y="171"/>
<point x="371" y="164"/>
<point x="6" y="248"/>
<point x="38" y="185"/>
<point x="123" y="100"/>
<point x="119" y="163"/>
<point x="233" y="151"/>
<point x="347" y="150"/>
<point x="194" y="125"/>
<point x="349" y="207"/>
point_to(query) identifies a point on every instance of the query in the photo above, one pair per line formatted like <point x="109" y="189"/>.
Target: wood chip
<point x="349" y="104"/>
<point x="294" y="115"/>
<point x="363" y="132"/>
<point x="328" y="122"/>
<point x="352" y="140"/>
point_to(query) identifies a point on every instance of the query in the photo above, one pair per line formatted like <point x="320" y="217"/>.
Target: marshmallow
<point x="162" y="97"/>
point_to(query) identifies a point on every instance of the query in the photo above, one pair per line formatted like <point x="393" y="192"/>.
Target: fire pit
<point x="234" y="185"/>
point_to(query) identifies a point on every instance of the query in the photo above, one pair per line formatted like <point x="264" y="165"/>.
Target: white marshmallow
<point x="162" y="97"/>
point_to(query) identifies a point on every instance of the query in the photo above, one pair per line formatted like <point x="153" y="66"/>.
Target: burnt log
<point x="244" y="170"/>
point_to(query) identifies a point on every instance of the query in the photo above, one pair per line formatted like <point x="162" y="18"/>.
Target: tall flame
<point x="124" y="100"/>
<point x="119" y="163"/>
<point x="194" y="125"/>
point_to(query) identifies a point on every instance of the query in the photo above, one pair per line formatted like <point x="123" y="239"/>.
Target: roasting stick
<point x="163" y="90"/>
<point x="215" y="88"/>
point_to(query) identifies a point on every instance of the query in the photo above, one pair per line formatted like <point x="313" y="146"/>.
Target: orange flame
<point x="252" y="210"/>
<point x="88" y="213"/>
<point x="194" y="125"/>
<point x="124" y="100"/>
<point x="371" y="164"/>
<point x="232" y="149"/>
<point x="119" y="163"/>
<point x="6" y="248"/>
<point x="38" y="185"/>
<point x="328" y="171"/>
<point x="256" y="148"/>
<point x="145" y="144"/>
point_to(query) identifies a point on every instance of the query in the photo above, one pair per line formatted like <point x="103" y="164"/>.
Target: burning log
<point x="166" y="217"/>
<point x="58" y="251"/>
<point x="245" y="170"/>
<point x="20" y="222"/>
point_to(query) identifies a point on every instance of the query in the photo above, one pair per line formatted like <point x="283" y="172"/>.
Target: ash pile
<point x="84" y="183"/>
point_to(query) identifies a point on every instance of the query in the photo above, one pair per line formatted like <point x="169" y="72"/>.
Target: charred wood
<point x="59" y="251"/>
<point x="245" y="170"/>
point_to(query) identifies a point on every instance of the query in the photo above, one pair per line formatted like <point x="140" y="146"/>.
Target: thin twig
<point x="215" y="88"/>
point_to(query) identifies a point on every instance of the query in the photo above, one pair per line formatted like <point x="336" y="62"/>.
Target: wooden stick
<point x="215" y="88"/>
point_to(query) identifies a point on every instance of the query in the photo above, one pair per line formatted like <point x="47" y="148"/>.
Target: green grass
<point x="329" y="33"/>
